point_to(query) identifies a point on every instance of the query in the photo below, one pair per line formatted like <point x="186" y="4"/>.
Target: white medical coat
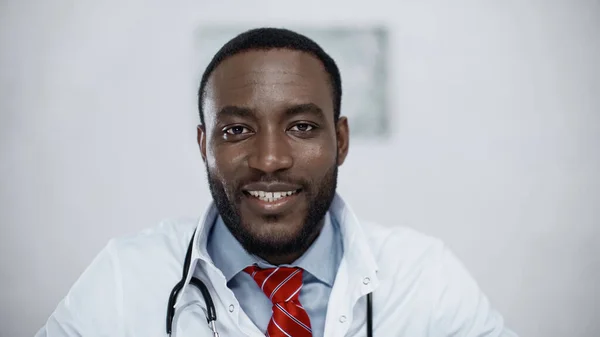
<point x="419" y="287"/>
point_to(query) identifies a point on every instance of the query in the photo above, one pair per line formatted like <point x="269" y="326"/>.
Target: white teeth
<point x="270" y="196"/>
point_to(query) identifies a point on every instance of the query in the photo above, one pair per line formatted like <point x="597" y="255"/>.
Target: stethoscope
<point x="211" y="312"/>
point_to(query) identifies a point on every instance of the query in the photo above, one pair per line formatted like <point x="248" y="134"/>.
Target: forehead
<point x="266" y="80"/>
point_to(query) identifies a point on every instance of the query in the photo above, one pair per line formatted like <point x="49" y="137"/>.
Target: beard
<point x="319" y="196"/>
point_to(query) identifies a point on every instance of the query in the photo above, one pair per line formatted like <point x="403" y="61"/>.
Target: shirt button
<point x="366" y="280"/>
<point x="342" y="319"/>
<point x="231" y="307"/>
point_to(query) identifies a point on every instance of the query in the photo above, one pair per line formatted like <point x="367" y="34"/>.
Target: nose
<point x="271" y="152"/>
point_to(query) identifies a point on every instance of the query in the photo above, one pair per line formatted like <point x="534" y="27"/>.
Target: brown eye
<point x="236" y="130"/>
<point x="302" y="127"/>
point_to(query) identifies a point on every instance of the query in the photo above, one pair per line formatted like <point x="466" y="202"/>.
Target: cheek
<point x="316" y="159"/>
<point x="224" y="161"/>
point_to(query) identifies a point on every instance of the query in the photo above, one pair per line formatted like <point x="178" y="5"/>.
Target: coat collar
<point x="356" y="250"/>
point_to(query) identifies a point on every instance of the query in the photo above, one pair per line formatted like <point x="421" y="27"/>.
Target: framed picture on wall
<point x="360" y="53"/>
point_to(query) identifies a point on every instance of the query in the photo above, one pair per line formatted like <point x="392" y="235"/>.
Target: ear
<point x="201" y="135"/>
<point x="343" y="139"/>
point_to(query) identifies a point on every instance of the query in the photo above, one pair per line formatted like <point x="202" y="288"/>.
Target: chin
<point x="275" y="231"/>
<point x="273" y="237"/>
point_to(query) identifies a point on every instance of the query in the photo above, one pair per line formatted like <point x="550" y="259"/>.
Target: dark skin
<point x="269" y="125"/>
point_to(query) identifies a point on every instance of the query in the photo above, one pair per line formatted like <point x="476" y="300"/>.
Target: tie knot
<point x="281" y="284"/>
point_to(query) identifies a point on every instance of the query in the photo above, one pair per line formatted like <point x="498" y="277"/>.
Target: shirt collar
<point x="235" y="258"/>
<point x="357" y="252"/>
<point x="226" y="252"/>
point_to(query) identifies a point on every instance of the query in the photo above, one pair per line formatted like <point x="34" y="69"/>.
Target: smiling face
<point x="272" y="148"/>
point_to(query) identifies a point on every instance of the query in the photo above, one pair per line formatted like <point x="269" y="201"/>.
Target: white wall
<point x="495" y="146"/>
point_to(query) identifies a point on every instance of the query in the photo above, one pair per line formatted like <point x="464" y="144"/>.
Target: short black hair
<point x="274" y="38"/>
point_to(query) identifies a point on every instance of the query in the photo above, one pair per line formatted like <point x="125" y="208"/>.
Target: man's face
<point x="272" y="148"/>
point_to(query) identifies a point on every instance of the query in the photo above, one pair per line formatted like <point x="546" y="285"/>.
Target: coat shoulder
<point x="401" y="250"/>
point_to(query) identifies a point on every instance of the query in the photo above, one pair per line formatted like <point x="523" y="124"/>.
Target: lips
<point x="271" y="198"/>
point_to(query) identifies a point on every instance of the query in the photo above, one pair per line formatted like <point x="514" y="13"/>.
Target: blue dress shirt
<point x="320" y="263"/>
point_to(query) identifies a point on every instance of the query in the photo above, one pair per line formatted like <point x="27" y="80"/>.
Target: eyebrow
<point x="310" y="108"/>
<point x="241" y="112"/>
<point x="236" y="111"/>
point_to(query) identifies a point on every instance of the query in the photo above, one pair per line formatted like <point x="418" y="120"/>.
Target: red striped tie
<point x="282" y="286"/>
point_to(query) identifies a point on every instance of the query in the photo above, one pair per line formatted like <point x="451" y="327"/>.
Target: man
<point x="279" y="251"/>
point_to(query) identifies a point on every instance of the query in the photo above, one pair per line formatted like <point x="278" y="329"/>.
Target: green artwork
<point x="361" y="55"/>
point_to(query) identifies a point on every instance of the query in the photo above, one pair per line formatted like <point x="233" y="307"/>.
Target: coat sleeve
<point x="92" y="306"/>
<point x="461" y="309"/>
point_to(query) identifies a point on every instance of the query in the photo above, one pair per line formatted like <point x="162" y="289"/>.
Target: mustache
<point x="258" y="177"/>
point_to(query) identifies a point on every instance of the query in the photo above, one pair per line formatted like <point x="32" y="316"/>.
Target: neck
<point x="277" y="260"/>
